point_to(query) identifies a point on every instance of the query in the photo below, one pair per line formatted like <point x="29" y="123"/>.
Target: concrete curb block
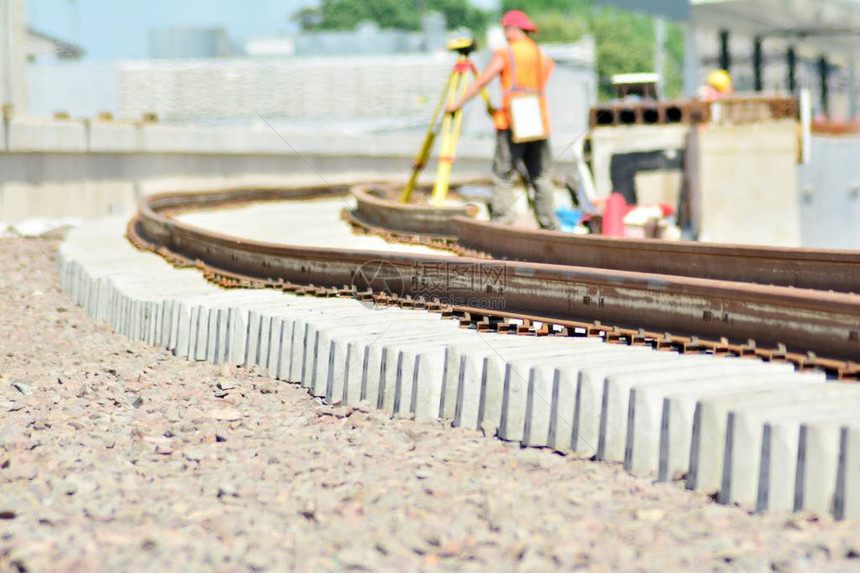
<point x="758" y="434"/>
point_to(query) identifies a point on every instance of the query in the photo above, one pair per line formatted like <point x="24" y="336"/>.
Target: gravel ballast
<point x="119" y="456"/>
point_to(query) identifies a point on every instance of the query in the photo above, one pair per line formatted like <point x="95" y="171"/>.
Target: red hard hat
<point x="518" y="19"/>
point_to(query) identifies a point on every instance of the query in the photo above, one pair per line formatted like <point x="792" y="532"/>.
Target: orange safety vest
<point x="526" y="71"/>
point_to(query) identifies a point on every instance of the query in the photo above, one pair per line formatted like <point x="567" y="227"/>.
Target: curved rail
<point x="792" y="319"/>
<point x="820" y="269"/>
<point x="373" y="208"/>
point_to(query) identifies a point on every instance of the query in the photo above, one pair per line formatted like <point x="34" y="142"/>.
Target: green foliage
<point x="625" y="44"/>
<point x="461" y="14"/>
<point x="534" y="7"/>
<point x="554" y="28"/>
<point x="399" y="14"/>
<point x="674" y="81"/>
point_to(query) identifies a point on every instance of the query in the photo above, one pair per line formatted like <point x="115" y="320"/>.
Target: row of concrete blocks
<point x="759" y="434"/>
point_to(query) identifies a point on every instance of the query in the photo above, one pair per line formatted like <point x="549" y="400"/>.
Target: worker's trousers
<point x="536" y="157"/>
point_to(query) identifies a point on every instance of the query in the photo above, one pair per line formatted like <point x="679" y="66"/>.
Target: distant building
<point x="270" y="47"/>
<point x="41" y="46"/>
<point x="188" y="43"/>
<point x="367" y="39"/>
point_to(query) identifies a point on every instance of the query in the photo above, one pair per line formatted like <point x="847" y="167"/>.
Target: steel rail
<point x="820" y="269"/>
<point x="374" y="209"/>
<point x="799" y="320"/>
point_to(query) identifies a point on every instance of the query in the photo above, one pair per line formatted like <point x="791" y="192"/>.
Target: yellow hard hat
<point x="720" y="80"/>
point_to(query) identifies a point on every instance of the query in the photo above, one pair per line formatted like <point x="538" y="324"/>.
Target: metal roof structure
<point x="794" y="35"/>
<point x="831" y="26"/>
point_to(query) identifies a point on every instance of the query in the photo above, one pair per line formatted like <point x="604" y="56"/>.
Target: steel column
<point x="725" y="51"/>
<point x="791" y="56"/>
<point x="758" y="64"/>
<point x="691" y="59"/>
<point x="824" y="79"/>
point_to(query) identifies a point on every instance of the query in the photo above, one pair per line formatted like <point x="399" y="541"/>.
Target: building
<point x="41" y="46"/>
<point x="774" y="46"/>
<point x="367" y="39"/>
<point x="182" y="42"/>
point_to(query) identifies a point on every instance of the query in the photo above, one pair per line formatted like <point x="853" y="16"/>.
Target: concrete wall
<point x="90" y="185"/>
<point x="609" y="141"/>
<point x="747" y="184"/>
<point x="52" y="168"/>
<point x="830" y="194"/>
<point x="372" y="93"/>
<point x="86" y="88"/>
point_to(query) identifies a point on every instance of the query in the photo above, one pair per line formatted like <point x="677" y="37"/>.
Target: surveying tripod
<point x="448" y="123"/>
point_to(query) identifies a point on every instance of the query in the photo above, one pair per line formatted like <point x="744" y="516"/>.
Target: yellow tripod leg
<point x="424" y="153"/>
<point x="448" y="148"/>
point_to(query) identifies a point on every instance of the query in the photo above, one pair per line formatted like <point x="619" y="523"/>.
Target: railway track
<point x="770" y="434"/>
<point x="812" y="328"/>
<point x="816" y="269"/>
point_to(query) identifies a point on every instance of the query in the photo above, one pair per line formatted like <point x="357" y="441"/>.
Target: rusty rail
<point x="820" y="269"/>
<point x="785" y="320"/>
<point x="377" y="207"/>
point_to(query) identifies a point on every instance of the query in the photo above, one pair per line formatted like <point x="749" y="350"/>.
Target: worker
<point x="523" y="69"/>
<point x="718" y="85"/>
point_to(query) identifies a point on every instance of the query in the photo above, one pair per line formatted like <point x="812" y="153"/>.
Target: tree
<point x="555" y="28"/>
<point x="397" y="14"/>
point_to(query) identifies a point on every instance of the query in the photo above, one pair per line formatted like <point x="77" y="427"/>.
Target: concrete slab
<point x="31" y="135"/>
<point x="320" y="331"/>
<point x="615" y="410"/>
<point x="547" y="405"/>
<point x="711" y="417"/>
<point x="375" y="360"/>
<point x="498" y="373"/>
<point x="589" y="393"/>
<point x="749" y="440"/>
<point x="112" y="137"/>
<point x="334" y="335"/>
<point x="480" y="390"/>
<point x="303" y="339"/>
<point x="679" y="408"/>
<point x="846" y="500"/>
<point x="818" y="455"/>
<point x="398" y="363"/>
<point x="632" y="429"/>
<point x="645" y="408"/>
<point x="780" y="484"/>
<point x="516" y="391"/>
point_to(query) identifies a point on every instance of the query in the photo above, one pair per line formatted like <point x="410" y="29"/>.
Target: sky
<point x="119" y="29"/>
